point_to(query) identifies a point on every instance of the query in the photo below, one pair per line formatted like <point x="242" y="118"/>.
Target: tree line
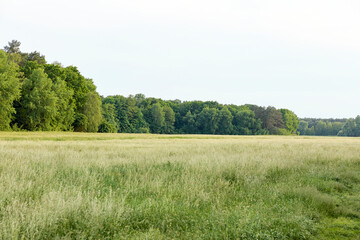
<point x="320" y="127"/>
<point x="39" y="96"/>
<point x="330" y="127"/>
<point x="142" y="115"/>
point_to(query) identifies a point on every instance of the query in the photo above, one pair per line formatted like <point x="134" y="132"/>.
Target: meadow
<point x="142" y="186"/>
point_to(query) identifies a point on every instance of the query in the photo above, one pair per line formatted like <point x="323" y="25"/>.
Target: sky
<point x="301" y="55"/>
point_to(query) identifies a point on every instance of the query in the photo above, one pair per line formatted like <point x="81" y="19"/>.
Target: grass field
<point x="128" y="186"/>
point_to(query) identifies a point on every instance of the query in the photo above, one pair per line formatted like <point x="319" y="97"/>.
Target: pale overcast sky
<point x="301" y="55"/>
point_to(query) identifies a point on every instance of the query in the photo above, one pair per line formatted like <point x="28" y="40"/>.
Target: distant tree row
<point x="351" y="128"/>
<point x="39" y="96"/>
<point x="320" y="127"/>
<point x="330" y="127"/>
<point x="140" y="114"/>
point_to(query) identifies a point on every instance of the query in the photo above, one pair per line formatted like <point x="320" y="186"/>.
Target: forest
<point x="39" y="96"/>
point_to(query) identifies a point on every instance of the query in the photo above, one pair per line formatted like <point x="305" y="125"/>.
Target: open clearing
<point x="132" y="186"/>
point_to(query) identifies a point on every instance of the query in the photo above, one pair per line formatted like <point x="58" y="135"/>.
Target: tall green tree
<point x="122" y="108"/>
<point x="78" y="84"/>
<point x="320" y="128"/>
<point x="141" y="126"/>
<point x="310" y="131"/>
<point x="38" y="109"/>
<point x="92" y="110"/>
<point x="272" y="120"/>
<point x="169" y="120"/>
<point x="135" y="116"/>
<point x="9" y="90"/>
<point x="357" y="127"/>
<point x="270" y="117"/>
<point x="14" y="53"/>
<point x="157" y="118"/>
<point x="36" y="57"/>
<point x="87" y="101"/>
<point x="303" y="126"/>
<point x="245" y="122"/>
<point x="13" y="47"/>
<point x="336" y="127"/>
<point x="189" y="123"/>
<point x="351" y="128"/>
<point x="208" y="120"/>
<point x="109" y="123"/>
<point x="65" y="107"/>
<point x="290" y="120"/>
<point x="225" y="125"/>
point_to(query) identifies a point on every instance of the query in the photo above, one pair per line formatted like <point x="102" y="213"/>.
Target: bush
<point x="106" y="127"/>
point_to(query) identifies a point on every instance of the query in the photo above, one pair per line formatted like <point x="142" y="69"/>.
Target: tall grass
<point x="128" y="186"/>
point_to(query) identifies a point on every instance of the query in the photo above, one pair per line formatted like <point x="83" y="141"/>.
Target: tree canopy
<point x="36" y="95"/>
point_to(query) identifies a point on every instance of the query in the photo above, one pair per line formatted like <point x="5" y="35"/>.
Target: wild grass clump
<point x="126" y="186"/>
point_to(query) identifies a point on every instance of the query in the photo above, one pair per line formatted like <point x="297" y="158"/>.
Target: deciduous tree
<point x="38" y="109"/>
<point x="9" y="90"/>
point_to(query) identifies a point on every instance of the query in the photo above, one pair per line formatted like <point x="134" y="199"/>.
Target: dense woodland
<point x="39" y="96"/>
<point x="321" y="127"/>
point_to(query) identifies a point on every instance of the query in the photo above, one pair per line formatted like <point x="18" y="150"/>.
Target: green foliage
<point x="193" y="117"/>
<point x="157" y="118"/>
<point x="270" y="117"/>
<point x="357" y="128"/>
<point x="169" y="120"/>
<point x="351" y="128"/>
<point x="29" y="67"/>
<point x="141" y="125"/>
<point x="303" y="126"/>
<point x="13" y="47"/>
<point x="335" y="128"/>
<point x="245" y="122"/>
<point x="128" y="115"/>
<point x="13" y="51"/>
<point x="321" y="127"/>
<point x="51" y="97"/>
<point x="45" y="104"/>
<point x="135" y="116"/>
<point x="36" y="57"/>
<point x="189" y="123"/>
<point x="110" y="124"/>
<point x="80" y="123"/>
<point x="121" y="109"/>
<point x="38" y="109"/>
<point x="291" y="121"/>
<point x="92" y="110"/>
<point x="77" y="83"/>
<point x="9" y="90"/>
<point x="272" y="120"/>
<point x="55" y="71"/>
<point x="225" y="121"/>
<point x="281" y="131"/>
<point x="310" y="131"/>
<point x="64" y="106"/>
<point x="208" y="120"/>
<point x="106" y="127"/>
